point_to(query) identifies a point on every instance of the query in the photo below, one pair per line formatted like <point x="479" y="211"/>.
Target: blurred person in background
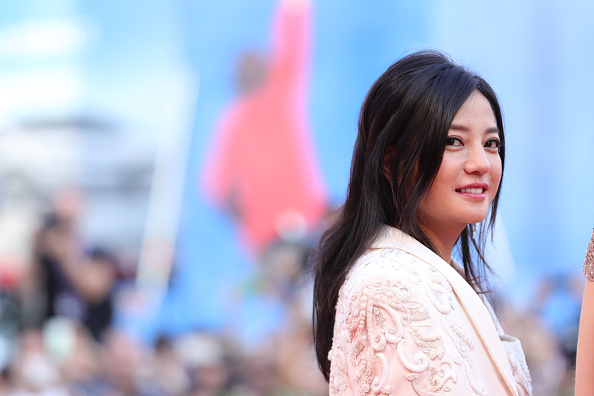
<point x="208" y="368"/>
<point x="79" y="358"/>
<point x="262" y="167"/>
<point x="584" y="380"/>
<point x="283" y="269"/>
<point x="74" y="283"/>
<point x="259" y="373"/>
<point x="551" y="345"/>
<point x="297" y="365"/>
<point x="33" y="372"/>
<point x="128" y="366"/>
<point x="172" y="376"/>
<point x="10" y="325"/>
<point x="5" y="381"/>
<point x="394" y="312"/>
<point x="541" y="345"/>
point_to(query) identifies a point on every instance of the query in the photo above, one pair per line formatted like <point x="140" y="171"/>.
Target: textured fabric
<point x="589" y="261"/>
<point x="402" y="329"/>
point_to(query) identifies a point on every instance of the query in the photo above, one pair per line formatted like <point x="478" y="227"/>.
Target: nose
<point x="477" y="161"/>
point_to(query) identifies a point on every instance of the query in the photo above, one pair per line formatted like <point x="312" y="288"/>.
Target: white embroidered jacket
<point x="407" y="323"/>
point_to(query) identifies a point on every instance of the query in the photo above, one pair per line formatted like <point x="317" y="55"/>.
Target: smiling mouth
<point x="472" y="190"/>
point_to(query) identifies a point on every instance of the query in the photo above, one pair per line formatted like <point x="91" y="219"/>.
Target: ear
<point x="386" y="164"/>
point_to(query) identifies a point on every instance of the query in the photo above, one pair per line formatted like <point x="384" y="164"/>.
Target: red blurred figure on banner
<point x="262" y="166"/>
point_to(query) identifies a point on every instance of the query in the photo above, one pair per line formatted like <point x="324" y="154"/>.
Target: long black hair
<point x="409" y="110"/>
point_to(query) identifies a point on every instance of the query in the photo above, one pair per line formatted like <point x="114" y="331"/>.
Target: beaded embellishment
<point x="589" y="261"/>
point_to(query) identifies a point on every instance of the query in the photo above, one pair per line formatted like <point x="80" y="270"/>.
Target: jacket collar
<point x="476" y="310"/>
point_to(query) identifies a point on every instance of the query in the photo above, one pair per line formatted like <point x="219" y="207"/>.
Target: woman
<point x="393" y="313"/>
<point x="584" y="379"/>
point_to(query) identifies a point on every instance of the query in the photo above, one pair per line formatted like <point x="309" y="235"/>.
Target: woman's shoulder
<point x="399" y="280"/>
<point x="385" y="261"/>
<point x="384" y="269"/>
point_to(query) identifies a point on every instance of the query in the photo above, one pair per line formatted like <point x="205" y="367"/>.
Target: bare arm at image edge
<point x="584" y="382"/>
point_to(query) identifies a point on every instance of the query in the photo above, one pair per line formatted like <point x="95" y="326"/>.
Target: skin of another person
<point x="584" y="382"/>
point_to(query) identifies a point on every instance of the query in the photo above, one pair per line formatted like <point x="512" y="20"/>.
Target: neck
<point x="443" y="240"/>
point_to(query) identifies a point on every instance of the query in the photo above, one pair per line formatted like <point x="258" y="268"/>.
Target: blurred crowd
<point x="59" y="334"/>
<point x="59" y="331"/>
<point x="63" y="359"/>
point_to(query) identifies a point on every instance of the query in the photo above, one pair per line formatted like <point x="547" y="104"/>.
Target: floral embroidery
<point x="385" y="307"/>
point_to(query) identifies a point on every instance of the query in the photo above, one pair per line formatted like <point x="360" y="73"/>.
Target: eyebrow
<point x="462" y="128"/>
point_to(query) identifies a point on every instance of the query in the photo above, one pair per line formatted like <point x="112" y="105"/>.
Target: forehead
<point x="475" y="113"/>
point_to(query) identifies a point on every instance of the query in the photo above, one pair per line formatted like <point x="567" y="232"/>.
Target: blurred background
<point x="166" y="167"/>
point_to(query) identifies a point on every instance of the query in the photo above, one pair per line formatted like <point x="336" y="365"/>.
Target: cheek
<point x="497" y="170"/>
<point x="496" y="173"/>
<point x="448" y="172"/>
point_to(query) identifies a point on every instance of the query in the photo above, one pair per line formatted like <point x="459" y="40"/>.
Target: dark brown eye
<point x="493" y="143"/>
<point x="454" y="141"/>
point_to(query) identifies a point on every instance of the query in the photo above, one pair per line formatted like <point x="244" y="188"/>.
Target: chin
<point x="477" y="218"/>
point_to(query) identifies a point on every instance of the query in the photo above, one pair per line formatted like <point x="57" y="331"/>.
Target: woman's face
<point x="470" y="172"/>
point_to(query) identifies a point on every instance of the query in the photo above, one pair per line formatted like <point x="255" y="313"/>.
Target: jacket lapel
<point x="476" y="310"/>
